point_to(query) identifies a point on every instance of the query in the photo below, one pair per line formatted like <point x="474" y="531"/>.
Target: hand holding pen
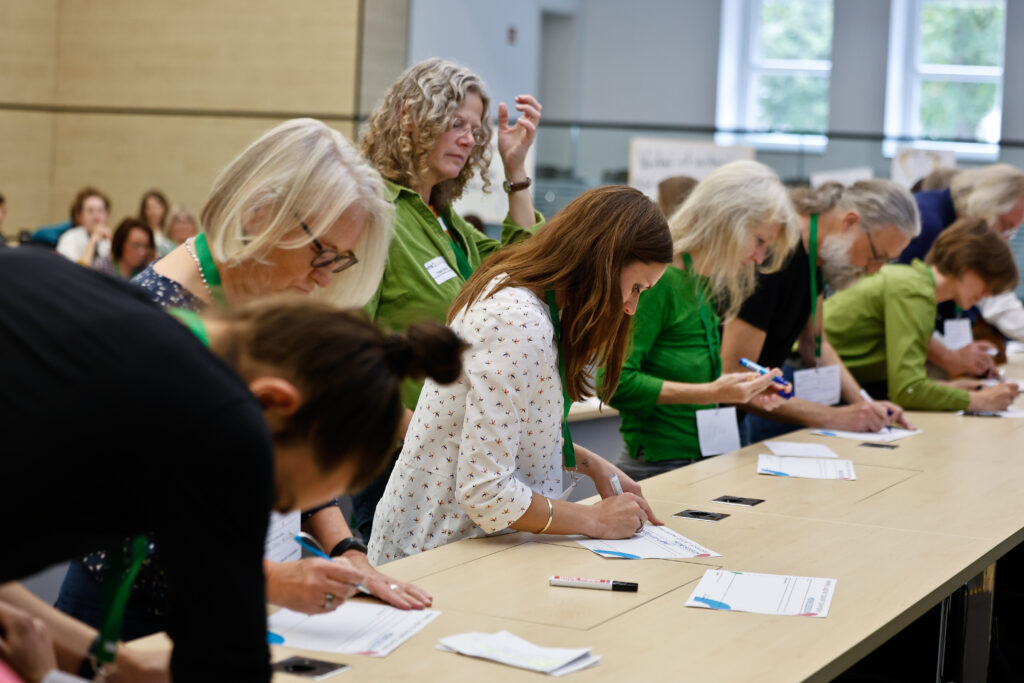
<point x="786" y="391"/>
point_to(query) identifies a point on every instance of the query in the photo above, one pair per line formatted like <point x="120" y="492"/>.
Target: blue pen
<point x="867" y="397"/>
<point x="761" y="370"/>
<point x="319" y="552"/>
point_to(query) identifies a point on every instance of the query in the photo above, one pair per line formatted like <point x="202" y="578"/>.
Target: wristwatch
<point x="350" y="543"/>
<point x="515" y="187"/>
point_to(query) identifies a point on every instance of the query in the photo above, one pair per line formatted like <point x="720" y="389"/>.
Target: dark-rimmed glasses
<point x="875" y="258"/>
<point x="329" y="258"/>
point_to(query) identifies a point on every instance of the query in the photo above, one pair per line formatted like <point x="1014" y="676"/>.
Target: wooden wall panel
<point x="253" y="55"/>
<point x="126" y="155"/>
<point x="28" y="35"/>
<point x="385" y="46"/>
<point x="26" y="162"/>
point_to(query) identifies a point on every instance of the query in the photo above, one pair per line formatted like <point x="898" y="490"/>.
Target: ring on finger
<point x="328" y="601"/>
<point x="393" y="586"/>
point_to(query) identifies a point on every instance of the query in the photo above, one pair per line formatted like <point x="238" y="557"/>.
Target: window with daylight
<point x="946" y="74"/>
<point x="774" y="69"/>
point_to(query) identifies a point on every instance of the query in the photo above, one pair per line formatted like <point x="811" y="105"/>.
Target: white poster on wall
<point x="651" y="160"/>
<point x="492" y="206"/>
<point x="844" y="176"/>
<point x="910" y="164"/>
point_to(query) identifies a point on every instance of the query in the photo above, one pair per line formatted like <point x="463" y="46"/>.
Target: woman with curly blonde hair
<point x="428" y="136"/>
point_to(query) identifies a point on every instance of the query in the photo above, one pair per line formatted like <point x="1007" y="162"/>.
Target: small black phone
<point x="982" y="413"/>
<point x="317" y="669"/>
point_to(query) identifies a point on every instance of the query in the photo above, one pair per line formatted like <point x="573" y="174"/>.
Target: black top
<point x="781" y="306"/>
<point x="115" y="420"/>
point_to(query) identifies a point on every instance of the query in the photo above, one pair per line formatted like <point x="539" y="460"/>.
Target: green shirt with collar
<point x="422" y="278"/>
<point x="669" y="342"/>
<point x="881" y="327"/>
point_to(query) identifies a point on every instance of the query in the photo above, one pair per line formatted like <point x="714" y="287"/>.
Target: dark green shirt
<point x="881" y="327"/>
<point x="409" y="292"/>
<point x="669" y="343"/>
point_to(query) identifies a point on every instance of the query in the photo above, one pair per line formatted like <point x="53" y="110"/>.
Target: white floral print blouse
<point x="476" y="450"/>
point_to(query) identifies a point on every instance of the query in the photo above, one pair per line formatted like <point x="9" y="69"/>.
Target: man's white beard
<point x="836" y="268"/>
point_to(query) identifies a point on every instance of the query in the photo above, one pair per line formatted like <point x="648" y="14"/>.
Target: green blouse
<point x="670" y="342"/>
<point x="881" y="327"/>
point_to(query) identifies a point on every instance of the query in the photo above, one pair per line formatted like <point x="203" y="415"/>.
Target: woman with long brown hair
<point x="487" y="453"/>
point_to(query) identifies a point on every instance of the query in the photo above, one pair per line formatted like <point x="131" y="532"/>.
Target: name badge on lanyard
<point x="956" y="333"/>
<point x="280" y="545"/>
<point x="717" y="431"/>
<point x="821" y="385"/>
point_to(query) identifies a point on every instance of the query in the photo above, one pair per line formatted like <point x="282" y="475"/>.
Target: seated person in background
<point x="845" y="233"/>
<point x="312" y="412"/>
<point x="487" y="453"/>
<point x="880" y="327"/>
<point x="153" y="212"/>
<point x="995" y="193"/>
<point x="130" y="249"/>
<point x="672" y="192"/>
<point x="90" y="238"/>
<point x="737" y="218"/>
<point x="181" y="225"/>
<point x="936" y="180"/>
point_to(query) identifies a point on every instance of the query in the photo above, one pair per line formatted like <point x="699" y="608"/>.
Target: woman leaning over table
<point x="736" y="219"/>
<point x="881" y="326"/>
<point x="487" y="453"/>
<point x="299" y="210"/>
<point x="429" y="135"/>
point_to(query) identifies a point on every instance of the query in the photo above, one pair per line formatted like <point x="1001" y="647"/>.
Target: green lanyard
<point x="117" y="588"/>
<point x="711" y="331"/>
<point x="568" y="449"/>
<point x="117" y="268"/>
<point x="117" y="585"/>
<point x="812" y="257"/>
<point x="461" y="260"/>
<point x="209" y="270"/>
<point x="193" y="322"/>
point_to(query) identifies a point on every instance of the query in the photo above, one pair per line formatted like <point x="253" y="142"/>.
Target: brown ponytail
<point x="348" y="372"/>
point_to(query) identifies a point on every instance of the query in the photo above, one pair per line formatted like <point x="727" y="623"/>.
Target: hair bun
<point x="426" y="349"/>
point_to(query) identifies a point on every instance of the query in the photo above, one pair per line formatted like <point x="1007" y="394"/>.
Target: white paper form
<point x="957" y="333"/>
<point x="717" y="431"/>
<point x="800" y="450"/>
<point x="821" y="385"/>
<point x="884" y="435"/>
<point x="280" y="545"/>
<point x="805" y="468"/>
<point x="1013" y="347"/>
<point x="654" y="542"/>
<point x="506" y="648"/>
<point x="763" y="593"/>
<point x="355" y="628"/>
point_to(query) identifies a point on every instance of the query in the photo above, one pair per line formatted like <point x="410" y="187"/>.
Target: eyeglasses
<point x="461" y="126"/>
<point x="326" y="258"/>
<point x="875" y="258"/>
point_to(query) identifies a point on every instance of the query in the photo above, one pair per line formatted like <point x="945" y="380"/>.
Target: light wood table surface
<point x="919" y="521"/>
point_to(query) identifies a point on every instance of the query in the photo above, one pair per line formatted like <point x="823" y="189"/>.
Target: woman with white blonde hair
<point x="737" y="219"/>
<point x="428" y="136"/>
<point x="298" y="211"/>
<point x="845" y="233"/>
<point x="994" y="193"/>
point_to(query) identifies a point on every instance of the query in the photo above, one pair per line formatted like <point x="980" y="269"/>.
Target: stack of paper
<point x="801" y="450"/>
<point x="506" y="648"/>
<point x="884" y="435"/>
<point x="806" y="468"/>
<point x="654" y="542"/>
<point x="1010" y="412"/>
<point x="355" y="628"/>
<point x="1014" y="347"/>
<point x="763" y="593"/>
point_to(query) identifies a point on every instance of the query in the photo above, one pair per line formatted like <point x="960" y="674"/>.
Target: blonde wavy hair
<point x="730" y="203"/>
<point x="415" y="111"/>
<point x="986" y="192"/>
<point x="300" y="170"/>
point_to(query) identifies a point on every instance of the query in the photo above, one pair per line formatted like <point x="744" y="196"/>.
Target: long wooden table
<point x="919" y="521"/>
